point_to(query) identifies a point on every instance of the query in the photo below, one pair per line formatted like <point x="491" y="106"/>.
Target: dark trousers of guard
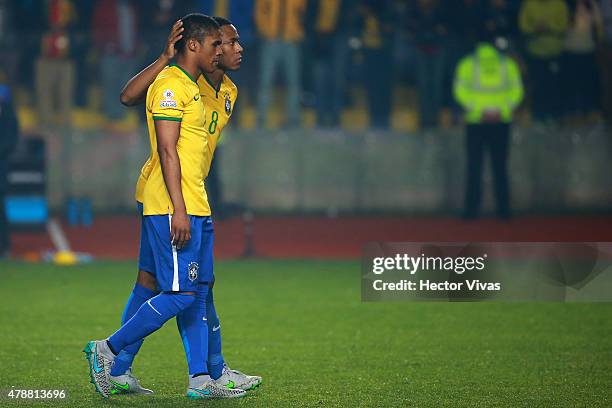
<point x="494" y="139"/>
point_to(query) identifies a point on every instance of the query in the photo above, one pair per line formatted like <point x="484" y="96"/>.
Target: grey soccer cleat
<point x="128" y="384"/>
<point x="213" y="389"/>
<point x="234" y="379"/>
<point x="100" y="360"/>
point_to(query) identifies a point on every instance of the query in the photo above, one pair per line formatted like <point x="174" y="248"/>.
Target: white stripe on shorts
<point x="175" y="279"/>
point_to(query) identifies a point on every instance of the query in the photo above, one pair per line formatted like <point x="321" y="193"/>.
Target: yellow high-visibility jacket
<point x="280" y="19"/>
<point x="487" y="81"/>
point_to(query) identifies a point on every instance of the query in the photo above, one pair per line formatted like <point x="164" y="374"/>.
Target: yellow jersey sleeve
<point x="168" y="99"/>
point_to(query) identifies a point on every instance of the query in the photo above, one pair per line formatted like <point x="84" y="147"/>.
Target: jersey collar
<point x="209" y="82"/>
<point x="184" y="72"/>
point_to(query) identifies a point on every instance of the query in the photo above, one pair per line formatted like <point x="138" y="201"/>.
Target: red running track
<point x="116" y="237"/>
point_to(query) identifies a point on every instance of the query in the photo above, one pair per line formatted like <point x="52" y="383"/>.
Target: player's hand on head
<point x="175" y="34"/>
<point x="180" y="232"/>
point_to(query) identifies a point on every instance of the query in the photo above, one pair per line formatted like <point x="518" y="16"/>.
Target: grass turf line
<point x="301" y="325"/>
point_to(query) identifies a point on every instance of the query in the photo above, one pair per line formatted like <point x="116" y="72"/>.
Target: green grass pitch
<point x="301" y="325"/>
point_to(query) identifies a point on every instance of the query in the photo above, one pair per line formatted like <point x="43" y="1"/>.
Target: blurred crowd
<point x="325" y="55"/>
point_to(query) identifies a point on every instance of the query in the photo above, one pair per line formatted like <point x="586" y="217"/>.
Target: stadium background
<point x="306" y="193"/>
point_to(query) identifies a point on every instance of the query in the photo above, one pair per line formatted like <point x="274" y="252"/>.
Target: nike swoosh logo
<point x="204" y="318"/>
<point x="216" y="328"/>
<point x="97" y="368"/>
<point x="203" y="392"/>
<point x="196" y="98"/>
<point x="124" y="387"/>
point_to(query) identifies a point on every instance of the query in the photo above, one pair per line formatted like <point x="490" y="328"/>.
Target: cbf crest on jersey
<point x="168" y="101"/>
<point x="228" y="105"/>
<point x="193" y="271"/>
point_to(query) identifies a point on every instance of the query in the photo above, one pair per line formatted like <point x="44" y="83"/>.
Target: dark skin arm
<point x="167" y="138"/>
<point x="135" y="90"/>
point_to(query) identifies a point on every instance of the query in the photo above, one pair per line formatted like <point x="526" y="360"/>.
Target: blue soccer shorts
<point x="176" y="270"/>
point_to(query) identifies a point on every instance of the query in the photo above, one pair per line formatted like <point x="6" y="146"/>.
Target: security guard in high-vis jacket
<point x="488" y="87"/>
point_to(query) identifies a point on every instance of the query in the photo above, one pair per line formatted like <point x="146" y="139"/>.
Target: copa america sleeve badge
<point x="168" y="101"/>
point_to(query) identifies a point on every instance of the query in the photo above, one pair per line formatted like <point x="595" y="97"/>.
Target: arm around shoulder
<point x="134" y="92"/>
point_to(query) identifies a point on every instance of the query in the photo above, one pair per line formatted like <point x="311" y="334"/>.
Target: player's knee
<point x="146" y="280"/>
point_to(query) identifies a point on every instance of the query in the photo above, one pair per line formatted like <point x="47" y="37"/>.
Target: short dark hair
<point x="197" y="26"/>
<point x="222" y="21"/>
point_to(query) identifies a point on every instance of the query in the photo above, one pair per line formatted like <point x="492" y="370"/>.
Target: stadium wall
<point x="552" y="169"/>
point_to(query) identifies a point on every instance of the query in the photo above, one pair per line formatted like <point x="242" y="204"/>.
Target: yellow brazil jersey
<point x="219" y="103"/>
<point x="175" y="96"/>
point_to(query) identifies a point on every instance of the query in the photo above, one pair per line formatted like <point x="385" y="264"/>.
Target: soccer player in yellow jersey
<point x="218" y="96"/>
<point x="218" y="92"/>
<point x="177" y="232"/>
